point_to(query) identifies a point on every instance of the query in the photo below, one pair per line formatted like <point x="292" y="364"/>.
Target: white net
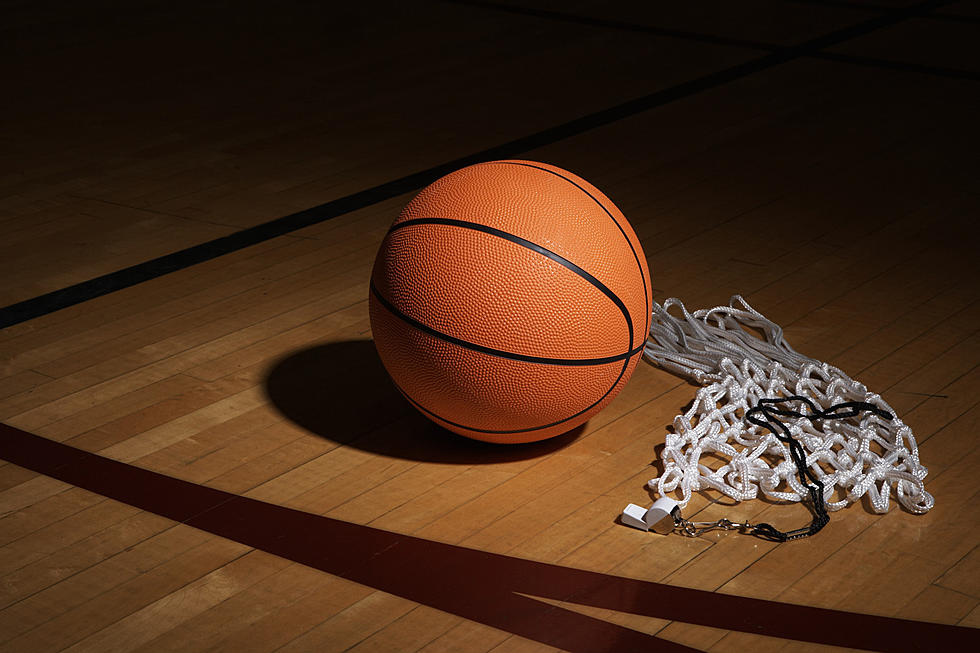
<point x="714" y="348"/>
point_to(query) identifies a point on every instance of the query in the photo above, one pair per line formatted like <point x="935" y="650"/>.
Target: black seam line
<point x="160" y="266"/>
<point x="626" y="364"/>
<point x="543" y="360"/>
<point x="510" y="355"/>
<point x="646" y="305"/>
<point x="534" y="247"/>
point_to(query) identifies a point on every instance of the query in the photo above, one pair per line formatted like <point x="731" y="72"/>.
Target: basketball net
<point x="866" y="455"/>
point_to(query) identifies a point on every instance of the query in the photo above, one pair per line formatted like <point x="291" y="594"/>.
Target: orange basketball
<point x="510" y="301"/>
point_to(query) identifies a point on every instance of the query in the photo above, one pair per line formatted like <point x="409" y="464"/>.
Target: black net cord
<point x="770" y="413"/>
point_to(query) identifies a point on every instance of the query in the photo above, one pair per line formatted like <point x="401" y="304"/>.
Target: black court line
<point x="843" y="4"/>
<point x="872" y="62"/>
<point x="955" y="18"/>
<point x="160" y="266"/>
<point x="871" y="7"/>
<point x="594" y="21"/>
<point x="488" y="588"/>
<point x="901" y="66"/>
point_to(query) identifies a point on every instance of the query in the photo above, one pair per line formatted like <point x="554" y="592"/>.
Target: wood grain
<point x="838" y="198"/>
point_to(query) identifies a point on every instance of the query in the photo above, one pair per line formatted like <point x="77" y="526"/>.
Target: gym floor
<point x="201" y="450"/>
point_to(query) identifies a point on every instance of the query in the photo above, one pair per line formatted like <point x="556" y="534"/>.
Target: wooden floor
<point x="817" y="157"/>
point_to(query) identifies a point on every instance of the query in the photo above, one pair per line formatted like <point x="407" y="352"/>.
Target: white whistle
<point x="659" y="518"/>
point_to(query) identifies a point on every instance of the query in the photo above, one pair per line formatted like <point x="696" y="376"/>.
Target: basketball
<point x="510" y="301"/>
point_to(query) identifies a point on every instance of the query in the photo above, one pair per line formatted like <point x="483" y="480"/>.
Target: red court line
<point x="474" y="584"/>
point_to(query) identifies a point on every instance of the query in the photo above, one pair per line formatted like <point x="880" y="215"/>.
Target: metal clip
<point x="697" y="528"/>
<point x="664" y="517"/>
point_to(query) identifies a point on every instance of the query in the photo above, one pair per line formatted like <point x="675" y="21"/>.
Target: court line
<point x="865" y="6"/>
<point x="595" y="21"/>
<point x="485" y="587"/>
<point x="185" y="258"/>
<point x="901" y="66"/>
<point x="873" y="62"/>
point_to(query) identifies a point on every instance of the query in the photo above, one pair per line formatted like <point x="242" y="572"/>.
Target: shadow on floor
<point x="340" y="391"/>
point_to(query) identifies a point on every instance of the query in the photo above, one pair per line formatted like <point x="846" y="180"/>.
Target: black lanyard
<point x="770" y="414"/>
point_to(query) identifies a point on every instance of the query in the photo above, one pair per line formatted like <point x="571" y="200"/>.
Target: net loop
<point x="850" y="441"/>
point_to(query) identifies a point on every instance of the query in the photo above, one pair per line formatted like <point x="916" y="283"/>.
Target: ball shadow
<point x="341" y="392"/>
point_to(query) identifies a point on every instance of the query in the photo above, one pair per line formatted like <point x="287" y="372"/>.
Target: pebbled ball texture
<point x="510" y="301"/>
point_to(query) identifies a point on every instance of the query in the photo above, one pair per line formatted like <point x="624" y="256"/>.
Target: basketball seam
<point x="526" y="358"/>
<point x="415" y="403"/>
<point x="627" y="357"/>
<point x="534" y="247"/>
<point x="646" y="301"/>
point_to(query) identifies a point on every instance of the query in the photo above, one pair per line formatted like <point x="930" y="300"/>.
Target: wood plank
<point x="837" y="198"/>
<point x="180" y="606"/>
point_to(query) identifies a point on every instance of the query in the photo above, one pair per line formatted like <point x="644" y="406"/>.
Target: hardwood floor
<point x="816" y="157"/>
